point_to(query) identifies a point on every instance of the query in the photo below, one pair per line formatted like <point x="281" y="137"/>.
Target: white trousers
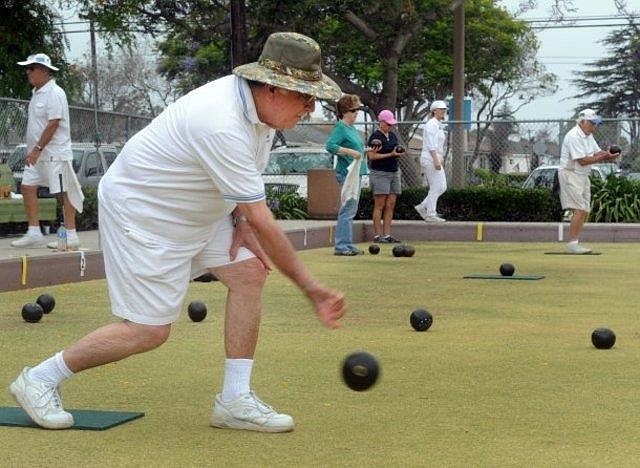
<point x="437" y="181"/>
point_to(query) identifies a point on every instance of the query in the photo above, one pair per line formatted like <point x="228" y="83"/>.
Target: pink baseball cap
<point x="386" y="116"/>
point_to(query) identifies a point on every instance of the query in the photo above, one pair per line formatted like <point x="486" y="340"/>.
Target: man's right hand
<point x="329" y="305"/>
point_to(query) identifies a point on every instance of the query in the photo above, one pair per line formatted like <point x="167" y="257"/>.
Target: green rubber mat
<point x="575" y="255"/>
<point x="500" y="277"/>
<point x="90" y="420"/>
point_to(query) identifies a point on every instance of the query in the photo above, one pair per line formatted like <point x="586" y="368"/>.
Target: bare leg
<point x="114" y="342"/>
<point x="30" y="199"/>
<point x="577" y="221"/>
<point x="245" y="281"/>
<point x="69" y="212"/>
<point x="387" y="217"/>
<point x="378" y="207"/>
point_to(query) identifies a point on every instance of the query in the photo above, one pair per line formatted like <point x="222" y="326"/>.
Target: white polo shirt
<point x="49" y="103"/>
<point x="191" y="165"/>
<point x="577" y="145"/>
<point x="433" y="139"/>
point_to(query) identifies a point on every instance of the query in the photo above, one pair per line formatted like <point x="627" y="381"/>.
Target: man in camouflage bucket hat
<point x="186" y="197"/>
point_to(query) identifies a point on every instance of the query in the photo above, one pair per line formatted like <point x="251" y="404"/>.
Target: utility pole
<point x="238" y="33"/>
<point x="458" y="161"/>
<point x="94" y="78"/>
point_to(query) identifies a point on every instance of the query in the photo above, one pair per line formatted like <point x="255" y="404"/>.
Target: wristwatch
<point x="237" y="219"/>
<point x="38" y="148"/>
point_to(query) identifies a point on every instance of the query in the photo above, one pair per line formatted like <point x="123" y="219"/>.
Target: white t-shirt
<point x="49" y="103"/>
<point x="191" y="165"/>
<point x="433" y="139"/>
<point x="577" y="145"/>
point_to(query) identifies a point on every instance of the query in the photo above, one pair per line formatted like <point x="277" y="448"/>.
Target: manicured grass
<point x="506" y="376"/>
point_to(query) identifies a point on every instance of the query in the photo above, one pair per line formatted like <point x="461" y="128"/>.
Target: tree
<point x="27" y="27"/>
<point x="612" y="84"/>
<point x="128" y="81"/>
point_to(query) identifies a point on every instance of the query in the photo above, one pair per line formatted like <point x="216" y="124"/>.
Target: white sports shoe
<point x="250" y="413"/>
<point x="422" y="211"/>
<point x="29" y="241"/>
<point x="72" y="244"/>
<point x="577" y="248"/>
<point x="41" y="401"/>
<point x="434" y="219"/>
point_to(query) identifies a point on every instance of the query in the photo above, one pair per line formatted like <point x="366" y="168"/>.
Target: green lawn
<point x="506" y="376"/>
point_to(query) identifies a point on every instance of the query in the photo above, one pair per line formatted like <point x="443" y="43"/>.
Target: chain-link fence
<point x="86" y="125"/>
<point x="499" y="146"/>
<point x="514" y="147"/>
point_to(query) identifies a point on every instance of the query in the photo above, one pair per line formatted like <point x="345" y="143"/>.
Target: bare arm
<point x="329" y="305"/>
<point x="598" y="157"/>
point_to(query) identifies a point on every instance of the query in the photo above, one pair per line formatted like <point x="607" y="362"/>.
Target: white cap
<point x="438" y="105"/>
<point x="590" y="115"/>
<point x="39" y="59"/>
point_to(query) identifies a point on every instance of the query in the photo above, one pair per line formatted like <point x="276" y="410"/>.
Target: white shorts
<point x="575" y="190"/>
<point x="148" y="279"/>
<point x="47" y="174"/>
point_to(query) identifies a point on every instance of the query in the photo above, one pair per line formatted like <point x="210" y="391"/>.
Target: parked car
<point x="288" y="166"/>
<point x="547" y="176"/>
<point x="89" y="163"/>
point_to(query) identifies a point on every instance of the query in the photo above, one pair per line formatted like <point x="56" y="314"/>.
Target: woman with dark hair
<point x="346" y="143"/>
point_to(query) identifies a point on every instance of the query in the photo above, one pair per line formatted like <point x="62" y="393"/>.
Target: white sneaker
<point x="434" y="219"/>
<point x="577" y="248"/>
<point x="422" y="211"/>
<point x="249" y="412"/>
<point x="29" y="241"/>
<point x="41" y="401"/>
<point x="72" y="244"/>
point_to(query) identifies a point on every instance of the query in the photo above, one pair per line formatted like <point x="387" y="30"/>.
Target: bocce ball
<point x="615" y="149"/>
<point x="47" y="302"/>
<point x="398" y="251"/>
<point x="374" y="249"/>
<point x="400" y="149"/>
<point x="360" y="371"/>
<point x="375" y="142"/>
<point x="421" y="319"/>
<point x="507" y="269"/>
<point x="197" y="311"/>
<point x="603" y="338"/>
<point x="409" y="251"/>
<point x="32" y="312"/>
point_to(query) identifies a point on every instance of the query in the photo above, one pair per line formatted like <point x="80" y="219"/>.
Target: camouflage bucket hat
<point x="291" y="61"/>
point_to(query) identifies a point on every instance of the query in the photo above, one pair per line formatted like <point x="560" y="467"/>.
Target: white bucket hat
<point x="438" y="105"/>
<point x="39" y="59"/>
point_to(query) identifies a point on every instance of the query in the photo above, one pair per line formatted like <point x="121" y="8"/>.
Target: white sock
<point x="572" y="242"/>
<point x="34" y="231"/>
<point x="237" y="378"/>
<point x="52" y="371"/>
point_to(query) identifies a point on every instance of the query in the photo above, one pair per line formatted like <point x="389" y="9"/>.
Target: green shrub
<point x="615" y="200"/>
<point x="287" y="205"/>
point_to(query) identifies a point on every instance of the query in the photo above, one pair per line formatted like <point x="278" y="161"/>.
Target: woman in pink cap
<point x="384" y="176"/>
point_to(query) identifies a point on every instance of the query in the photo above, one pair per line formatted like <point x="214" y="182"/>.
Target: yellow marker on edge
<point x="24" y="270"/>
<point x="479" y="231"/>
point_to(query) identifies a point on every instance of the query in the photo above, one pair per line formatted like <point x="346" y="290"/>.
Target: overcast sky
<point x="566" y="50"/>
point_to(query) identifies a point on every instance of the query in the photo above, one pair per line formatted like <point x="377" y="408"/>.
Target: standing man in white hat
<point x="49" y="156"/>
<point x="579" y="151"/>
<point x="432" y="159"/>
<point x="184" y="197"/>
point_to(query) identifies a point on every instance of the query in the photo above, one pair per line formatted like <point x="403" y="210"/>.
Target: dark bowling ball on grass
<point x="360" y="371"/>
<point x="615" y="149"/>
<point x="398" y="251"/>
<point x="197" y="311"/>
<point x="507" y="269"/>
<point x="47" y="302"/>
<point x="374" y="249"/>
<point x="409" y="251"/>
<point x="603" y="338"/>
<point x="32" y="312"/>
<point x="421" y="319"/>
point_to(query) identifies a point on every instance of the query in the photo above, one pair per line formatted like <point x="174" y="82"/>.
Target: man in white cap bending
<point x="579" y="151"/>
<point x="49" y="156"/>
<point x="186" y="197"/>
